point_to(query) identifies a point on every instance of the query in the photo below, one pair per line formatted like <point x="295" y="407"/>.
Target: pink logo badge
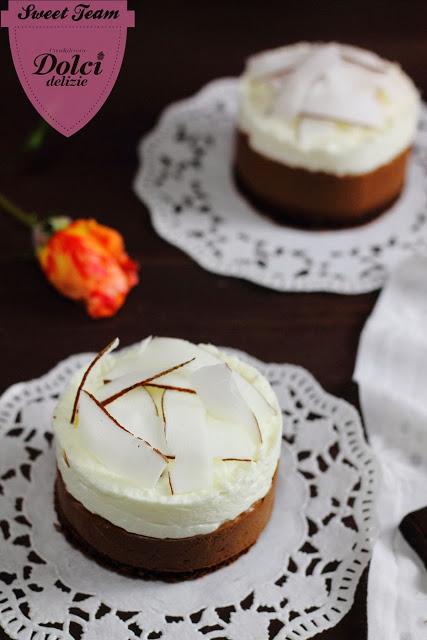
<point x="67" y="55"/>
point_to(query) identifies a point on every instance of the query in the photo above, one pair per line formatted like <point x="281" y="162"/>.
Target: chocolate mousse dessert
<point x="167" y="456"/>
<point x="324" y="133"/>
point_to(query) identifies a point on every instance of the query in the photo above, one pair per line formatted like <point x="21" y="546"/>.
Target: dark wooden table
<point x="175" y="49"/>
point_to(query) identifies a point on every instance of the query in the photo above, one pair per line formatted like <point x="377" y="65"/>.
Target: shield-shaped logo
<point x="67" y="55"/>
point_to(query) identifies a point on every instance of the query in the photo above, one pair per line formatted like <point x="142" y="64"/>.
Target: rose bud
<point x="86" y="261"/>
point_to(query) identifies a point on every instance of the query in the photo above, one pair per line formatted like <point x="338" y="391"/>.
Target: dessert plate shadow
<point x="299" y="579"/>
<point x="186" y="179"/>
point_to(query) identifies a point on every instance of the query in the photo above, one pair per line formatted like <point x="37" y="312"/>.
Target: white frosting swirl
<point x="155" y="512"/>
<point x="327" y="107"/>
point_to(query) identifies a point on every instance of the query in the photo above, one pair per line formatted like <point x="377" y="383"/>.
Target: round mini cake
<point x="324" y="132"/>
<point x="167" y="456"/>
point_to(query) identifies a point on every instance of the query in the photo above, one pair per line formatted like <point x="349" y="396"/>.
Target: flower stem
<point x="29" y="219"/>
<point x="36" y="139"/>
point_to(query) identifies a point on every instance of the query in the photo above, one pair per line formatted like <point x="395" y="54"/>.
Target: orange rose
<point x="86" y="261"/>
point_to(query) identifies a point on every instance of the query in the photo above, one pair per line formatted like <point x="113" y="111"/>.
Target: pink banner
<point x="67" y="55"/>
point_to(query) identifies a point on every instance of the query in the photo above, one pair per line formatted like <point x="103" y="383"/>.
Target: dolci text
<point x="67" y="73"/>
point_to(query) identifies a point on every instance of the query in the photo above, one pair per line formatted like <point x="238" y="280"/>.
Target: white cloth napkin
<point x="391" y="370"/>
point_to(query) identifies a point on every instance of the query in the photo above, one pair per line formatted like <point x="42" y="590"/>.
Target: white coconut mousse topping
<point x="168" y="439"/>
<point x="327" y="107"/>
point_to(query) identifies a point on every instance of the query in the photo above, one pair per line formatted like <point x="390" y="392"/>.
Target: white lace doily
<point x="298" y="580"/>
<point x="186" y="180"/>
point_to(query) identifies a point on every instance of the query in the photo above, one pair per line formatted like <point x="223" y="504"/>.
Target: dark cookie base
<point x="168" y="560"/>
<point x="130" y="572"/>
<point x="316" y="199"/>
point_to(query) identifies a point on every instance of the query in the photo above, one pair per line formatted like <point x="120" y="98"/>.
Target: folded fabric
<point x="391" y="370"/>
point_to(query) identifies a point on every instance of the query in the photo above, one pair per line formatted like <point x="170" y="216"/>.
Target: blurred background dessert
<point x="324" y="132"/>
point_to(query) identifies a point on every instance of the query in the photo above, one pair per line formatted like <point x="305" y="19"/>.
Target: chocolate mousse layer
<point x="168" y="559"/>
<point x="313" y="198"/>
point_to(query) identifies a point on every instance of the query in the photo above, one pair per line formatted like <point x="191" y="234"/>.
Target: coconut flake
<point x="65" y="458"/>
<point x="366" y="59"/>
<point x="169" y="374"/>
<point x="275" y="61"/>
<point x="219" y="393"/>
<point x="330" y="82"/>
<point x="162" y="354"/>
<point x="119" y="387"/>
<point x="187" y="440"/>
<point x="114" y="446"/>
<point x="130" y="361"/>
<point x="296" y="86"/>
<point x="356" y="108"/>
<point x="161" y="379"/>
<point x="228" y="440"/>
<point x="144" y="344"/>
<point x="88" y="374"/>
<point x="137" y="411"/>
<point x="262" y="409"/>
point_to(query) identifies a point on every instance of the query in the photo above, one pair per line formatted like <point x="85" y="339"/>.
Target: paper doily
<point x="186" y="181"/>
<point x="298" y="580"/>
